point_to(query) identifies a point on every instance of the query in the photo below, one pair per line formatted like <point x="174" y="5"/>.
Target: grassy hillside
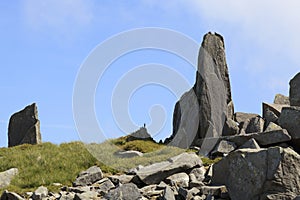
<point x="48" y="163"/>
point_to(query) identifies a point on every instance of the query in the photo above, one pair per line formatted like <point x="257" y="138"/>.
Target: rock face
<point x="295" y="90"/>
<point x="209" y="101"/>
<point x="24" y="127"/>
<point x="254" y="174"/>
<point x="290" y="120"/>
<point x="281" y="99"/>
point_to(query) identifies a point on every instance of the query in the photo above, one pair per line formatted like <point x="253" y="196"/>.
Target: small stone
<point x="129" y="154"/>
<point x="40" y="193"/>
<point x="88" y="177"/>
<point x="86" y="195"/>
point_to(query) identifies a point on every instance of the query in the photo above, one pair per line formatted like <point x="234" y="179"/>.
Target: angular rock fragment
<point x="88" y="177"/>
<point x="240" y="117"/>
<point x="6" y="195"/>
<point x="127" y="191"/>
<point x="295" y="90"/>
<point x="223" y="148"/>
<point x="281" y="99"/>
<point x="290" y="120"/>
<point x="180" y="180"/>
<point x="40" y="193"/>
<point x="7" y="176"/>
<point x="253" y="125"/>
<point x="250" y="144"/>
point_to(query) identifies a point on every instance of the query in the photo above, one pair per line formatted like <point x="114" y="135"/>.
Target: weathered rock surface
<point x="127" y="191"/>
<point x="230" y="128"/>
<point x="253" y="125"/>
<point x="295" y="90"/>
<point x="155" y="173"/>
<point x="223" y="148"/>
<point x="24" y="127"/>
<point x="240" y="117"/>
<point x="281" y="99"/>
<point x="6" y="195"/>
<point x="209" y="101"/>
<point x="88" y="177"/>
<point x="250" y="144"/>
<point x="290" y="120"/>
<point x="40" y="193"/>
<point x="272" y="127"/>
<point x="7" y="176"/>
<point x="264" y="138"/>
<point x="252" y="174"/>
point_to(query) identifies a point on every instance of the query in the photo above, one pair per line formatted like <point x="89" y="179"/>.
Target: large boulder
<point x="295" y="90"/>
<point x="157" y="172"/>
<point x="88" y="177"/>
<point x="7" y="176"/>
<point x="202" y="111"/>
<point x="271" y="112"/>
<point x="281" y="99"/>
<point x="256" y="174"/>
<point x="24" y="127"/>
<point x="253" y="125"/>
<point x="240" y="117"/>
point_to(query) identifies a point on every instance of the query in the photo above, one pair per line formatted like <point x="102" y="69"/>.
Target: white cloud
<point x="58" y="15"/>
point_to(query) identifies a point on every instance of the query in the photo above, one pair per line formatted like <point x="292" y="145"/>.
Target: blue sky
<point x="43" y="44"/>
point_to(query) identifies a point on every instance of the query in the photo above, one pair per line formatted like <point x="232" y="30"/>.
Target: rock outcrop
<point x="24" y="127"/>
<point x="209" y="103"/>
<point x="295" y="90"/>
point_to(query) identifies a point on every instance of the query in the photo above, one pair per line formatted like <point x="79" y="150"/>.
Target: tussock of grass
<point x="46" y="164"/>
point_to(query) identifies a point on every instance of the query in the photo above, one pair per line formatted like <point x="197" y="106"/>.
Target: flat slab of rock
<point x="24" y="127"/>
<point x="155" y="173"/>
<point x="88" y="177"/>
<point x="264" y="138"/>
<point x="253" y="174"/>
<point x="7" y="176"/>
<point x="129" y="154"/>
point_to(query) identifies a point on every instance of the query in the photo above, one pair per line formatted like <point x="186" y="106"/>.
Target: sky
<point x="44" y="44"/>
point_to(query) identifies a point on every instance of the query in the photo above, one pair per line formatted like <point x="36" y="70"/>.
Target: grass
<point x="47" y="163"/>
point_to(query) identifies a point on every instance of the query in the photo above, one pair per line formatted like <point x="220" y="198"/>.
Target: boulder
<point x="24" y="127"/>
<point x="230" y="128"/>
<point x="180" y="180"/>
<point x="168" y="194"/>
<point x="124" y="178"/>
<point x="250" y="144"/>
<point x="253" y="174"/>
<point x="223" y="148"/>
<point x="253" y="125"/>
<point x="155" y="173"/>
<point x="202" y="111"/>
<point x="7" y="176"/>
<point x="240" y="117"/>
<point x="214" y="190"/>
<point x="6" y="195"/>
<point x="86" y="195"/>
<point x="104" y="185"/>
<point x="290" y="120"/>
<point x="281" y="99"/>
<point x="141" y="134"/>
<point x="197" y="174"/>
<point x="271" y="112"/>
<point x="40" y="193"/>
<point x="129" y="154"/>
<point x="295" y="90"/>
<point x="128" y="191"/>
<point x="263" y="139"/>
<point x="88" y="177"/>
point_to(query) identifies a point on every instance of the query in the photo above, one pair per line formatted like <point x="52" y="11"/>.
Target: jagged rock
<point x="271" y="112"/>
<point x="151" y="191"/>
<point x="252" y="174"/>
<point x="7" y="176"/>
<point x="197" y="174"/>
<point x="250" y="144"/>
<point x="295" y="90"/>
<point x="86" y="195"/>
<point x="253" y="125"/>
<point x="40" y="193"/>
<point x="88" y="177"/>
<point x="281" y="99"/>
<point x="290" y="120"/>
<point x="264" y="138"/>
<point x="124" y="178"/>
<point x="6" y="195"/>
<point x="209" y="102"/>
<point x="240" y="117"/>
<point x="223" y="148"/>
<point x="103" y="186"/>
<point x="168" y="194"/>
<point x="272" y="127"/>
<point x="128" y="191"/>
<point x="129" y="154"/>
<point x="141" y="134"/>
<point x="24" y="127"/>
<point x="180" y="180"/>
<point x="188" y="194"/>
<point x="155" y="173"/>
<point x="214" y="190"/>
<point x="230" y="128"/>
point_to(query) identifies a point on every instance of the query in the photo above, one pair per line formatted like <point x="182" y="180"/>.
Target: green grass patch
<point x="207" y="162"/>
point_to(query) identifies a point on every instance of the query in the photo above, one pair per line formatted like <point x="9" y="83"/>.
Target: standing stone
<point x="295" y="91"/>
<point x="24" y="127"/>
<point x="209" y="103"/>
